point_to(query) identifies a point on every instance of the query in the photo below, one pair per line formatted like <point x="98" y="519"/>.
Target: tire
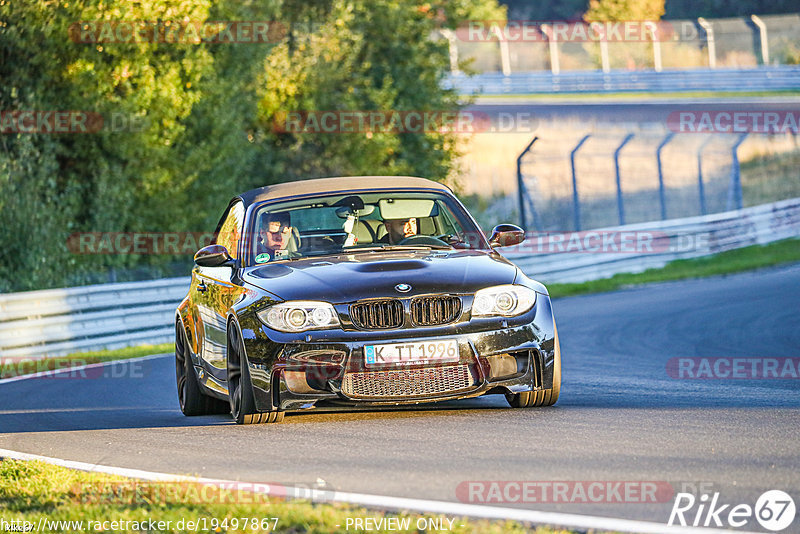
<point x="545" y="397"/>
<point x="191" y="399"/>
<point x="240" y="388"/>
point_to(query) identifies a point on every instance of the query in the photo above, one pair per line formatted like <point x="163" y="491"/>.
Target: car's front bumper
<point x="328" y="369"/>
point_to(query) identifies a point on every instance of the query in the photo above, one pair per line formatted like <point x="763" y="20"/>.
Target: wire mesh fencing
<point x="600" y="179"/>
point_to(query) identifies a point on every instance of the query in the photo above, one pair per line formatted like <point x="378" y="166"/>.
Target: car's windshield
<point x="358" y="222"/>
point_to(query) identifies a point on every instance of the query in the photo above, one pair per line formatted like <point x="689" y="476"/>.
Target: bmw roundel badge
<point x="403" y="288"/>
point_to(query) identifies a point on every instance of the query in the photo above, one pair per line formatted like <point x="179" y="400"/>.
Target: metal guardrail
<point x="54" y="322"/>
<point x="668" y="80"/>
<point x="673" y="239"/>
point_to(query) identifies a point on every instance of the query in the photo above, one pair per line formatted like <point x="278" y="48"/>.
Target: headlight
<point x="506" y="301"/>
<point x="299" y="315"/>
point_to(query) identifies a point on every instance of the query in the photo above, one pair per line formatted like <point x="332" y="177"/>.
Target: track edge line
<point x="392" y="503"/>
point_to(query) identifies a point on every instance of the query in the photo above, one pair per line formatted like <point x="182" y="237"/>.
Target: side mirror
<point x="213" y="256"/>
<point x="506" y="235"/>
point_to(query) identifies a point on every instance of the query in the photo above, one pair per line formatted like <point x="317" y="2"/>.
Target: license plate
<point x="432" y="351"/>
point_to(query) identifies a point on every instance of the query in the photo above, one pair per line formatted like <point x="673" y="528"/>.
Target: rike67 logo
<point x="774" y="510"/>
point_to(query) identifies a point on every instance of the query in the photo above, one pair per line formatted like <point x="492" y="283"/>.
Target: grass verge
<point x="22" y="366"/>
<point x="771" y="177"/>
<point x="731" y="261"/>
<point x="32" y="490"/>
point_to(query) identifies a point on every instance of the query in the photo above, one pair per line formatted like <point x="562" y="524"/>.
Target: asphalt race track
<point x="620" y="416"/>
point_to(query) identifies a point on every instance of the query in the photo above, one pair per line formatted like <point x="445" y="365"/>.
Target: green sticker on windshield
<point x="261" y="258"/>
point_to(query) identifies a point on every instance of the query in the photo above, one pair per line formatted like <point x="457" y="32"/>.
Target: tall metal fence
<point x="618" y="178"/>
<point x="738" y="42"/>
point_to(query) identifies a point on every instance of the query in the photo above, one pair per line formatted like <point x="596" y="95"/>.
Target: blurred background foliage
<point x="196" y="121"/>
<point x="207" y="112"/>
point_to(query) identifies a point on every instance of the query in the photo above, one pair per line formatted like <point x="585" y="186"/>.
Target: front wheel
<point x="240" y="388"/>
<point x="545" y="397"/>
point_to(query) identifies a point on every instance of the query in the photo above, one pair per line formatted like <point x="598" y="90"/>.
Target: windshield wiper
<point x="418" y="247"/>
<point x="371" y="248"/>
<point x="388" y="246"/>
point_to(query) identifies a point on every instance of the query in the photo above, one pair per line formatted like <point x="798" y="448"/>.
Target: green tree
<point x="624" y="54"/>
<point x="363" y="55"/>
<point x="109" y="180"/>
<point x="622" y="10"/>
<point x="545" y="10"/>
<point x="690" y="9"/>
<point x="206" y="111"/>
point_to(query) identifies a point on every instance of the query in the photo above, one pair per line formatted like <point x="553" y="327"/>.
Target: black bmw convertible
<point x="359" y="292"/>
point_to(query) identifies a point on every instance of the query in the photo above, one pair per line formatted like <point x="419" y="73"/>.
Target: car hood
<point x="349" y="277"/>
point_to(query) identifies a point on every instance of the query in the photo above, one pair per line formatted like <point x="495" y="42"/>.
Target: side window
<point x="446" y="221"/>
<point x="230" y="233"/>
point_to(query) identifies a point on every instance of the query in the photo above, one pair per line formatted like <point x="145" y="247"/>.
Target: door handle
<point x="201" y="286"/>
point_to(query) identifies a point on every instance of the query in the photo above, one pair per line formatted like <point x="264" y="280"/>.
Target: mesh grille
<point x="427" y="311"/>
<point x="407" y="382"/>
<point x="377" y="314"/>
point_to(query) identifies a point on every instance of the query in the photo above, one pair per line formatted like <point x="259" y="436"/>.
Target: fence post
<point x="502" y="41"/>
<point x="505" y="57"/>
<point x="656" y="46"/>
<point x="452" y="44"/>
<point x="620" y="207"/>
<point x="735" y="188"/>
<point x="555" y="66"/>
<point x="701" y="188"/>
<point x="662" y="197"/>
<point x="522" y="191"/>
<point x="762" y="33"/>
<point x="576" y="206"/>
<point x="712" y="47"/>
<point x="604" y="61"/>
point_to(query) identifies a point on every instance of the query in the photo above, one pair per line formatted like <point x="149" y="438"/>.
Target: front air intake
<point x="408" y="383"/>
